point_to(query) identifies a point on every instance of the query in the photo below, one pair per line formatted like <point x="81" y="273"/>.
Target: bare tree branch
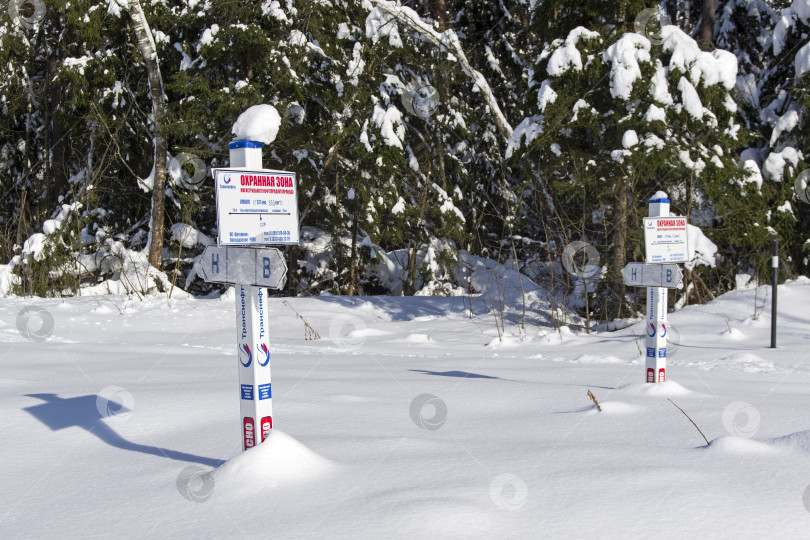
<point x="448" y="40"/>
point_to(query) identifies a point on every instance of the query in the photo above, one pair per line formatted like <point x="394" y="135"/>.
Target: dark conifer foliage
<point x="401" y="157"/>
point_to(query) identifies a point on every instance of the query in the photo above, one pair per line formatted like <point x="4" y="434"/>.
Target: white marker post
<point x="656" y="329"/>
<point x="255" y="207"/>
<point x="255" y="394"/>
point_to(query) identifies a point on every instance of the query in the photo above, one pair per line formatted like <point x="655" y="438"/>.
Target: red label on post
<point x="662" y="375"/>
<point x="651" y="375"/>
<point x="249" y="432"/>
<point x="267" y="425"/>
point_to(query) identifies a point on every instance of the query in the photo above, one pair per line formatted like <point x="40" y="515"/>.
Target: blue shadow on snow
<point x="463" y="374"/>
<point x="60" y="413"/>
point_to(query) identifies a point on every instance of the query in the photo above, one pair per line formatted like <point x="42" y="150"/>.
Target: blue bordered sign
<point x="666" y="239"/>
<point x="258" y="207"/>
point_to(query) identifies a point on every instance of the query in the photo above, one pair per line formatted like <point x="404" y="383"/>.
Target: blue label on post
<point x="264" y="391"/>
<point x="247" y="392"/>
<point x="651" y="352"/>
<point x="245" y="144"/>
<point x="662" y="353"/>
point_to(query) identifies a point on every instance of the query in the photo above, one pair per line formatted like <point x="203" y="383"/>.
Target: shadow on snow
<point x="60" y="413"/>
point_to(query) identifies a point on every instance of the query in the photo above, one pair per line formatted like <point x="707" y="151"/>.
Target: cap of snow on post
<point x="259" y="124"/>
<point x="254" y="128"/>
<point x="659" y="204"/>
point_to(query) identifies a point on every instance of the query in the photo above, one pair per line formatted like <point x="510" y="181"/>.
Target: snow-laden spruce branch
<point x="449" y="41"/>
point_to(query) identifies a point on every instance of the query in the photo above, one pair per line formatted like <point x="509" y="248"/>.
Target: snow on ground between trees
<point x="403" y="420"/>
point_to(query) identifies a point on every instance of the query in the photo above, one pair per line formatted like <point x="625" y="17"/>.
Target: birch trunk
<point x="148" y="50"/>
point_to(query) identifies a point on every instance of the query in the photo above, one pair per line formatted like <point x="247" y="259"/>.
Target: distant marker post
<point x="665" y="242"/>
<point x="774" y="284"/>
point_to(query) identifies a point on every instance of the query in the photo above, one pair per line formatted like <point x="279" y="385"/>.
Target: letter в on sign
<point x="266" y="267"/>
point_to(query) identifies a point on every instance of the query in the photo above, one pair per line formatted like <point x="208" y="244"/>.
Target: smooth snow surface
<point x="408" y="418"/>
<point x="258" y="123"/>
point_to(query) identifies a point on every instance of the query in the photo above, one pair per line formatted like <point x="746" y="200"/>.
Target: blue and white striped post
<point x="656" y="329"/>
<point x="253" y="351"/>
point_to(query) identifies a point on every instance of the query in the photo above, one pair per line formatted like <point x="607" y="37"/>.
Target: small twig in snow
<point x="693" y="422"/>
<point x="309" y="332"/>
<point x="593" y="398"/>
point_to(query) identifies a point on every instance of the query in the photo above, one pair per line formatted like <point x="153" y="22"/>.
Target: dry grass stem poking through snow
<point x="693" y="422"/>
<point x="593" y="398"/>
<point x="310" y="334"/>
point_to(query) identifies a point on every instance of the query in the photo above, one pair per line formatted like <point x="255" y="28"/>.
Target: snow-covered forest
<point x="422" y="133"/>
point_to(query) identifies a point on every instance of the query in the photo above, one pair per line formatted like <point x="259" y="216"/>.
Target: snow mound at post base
<point x="258" y="123"/>
<point x="613" y="407"/>
<point x="729" y="444"/>
<point x="664" y="389"/>
<point x="279" y="461"/>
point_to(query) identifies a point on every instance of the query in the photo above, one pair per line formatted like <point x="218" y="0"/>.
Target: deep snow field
<point x="406" y="419"/>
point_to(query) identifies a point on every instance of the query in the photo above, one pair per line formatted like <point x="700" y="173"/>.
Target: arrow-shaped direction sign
<point x="261" y="267"/>
<point x="652" y="275"/>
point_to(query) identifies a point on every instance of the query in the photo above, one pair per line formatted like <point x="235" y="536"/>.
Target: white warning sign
<point x="256" y="207"/>
<point x="666" y="239"/>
